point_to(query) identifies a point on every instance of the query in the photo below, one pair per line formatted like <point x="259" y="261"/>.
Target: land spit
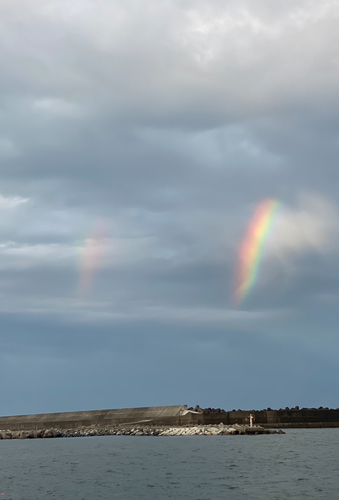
<point x="173" y="416"/>
<point x="198" y="430"/>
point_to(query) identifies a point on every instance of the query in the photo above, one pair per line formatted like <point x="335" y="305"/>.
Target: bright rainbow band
<point x="252" y="249"/>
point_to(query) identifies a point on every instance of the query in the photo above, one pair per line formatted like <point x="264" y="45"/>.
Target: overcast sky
<point x="136" y="139"/>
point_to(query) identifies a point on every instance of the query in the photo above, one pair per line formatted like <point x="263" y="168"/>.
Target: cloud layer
<point x="169" y="121"/>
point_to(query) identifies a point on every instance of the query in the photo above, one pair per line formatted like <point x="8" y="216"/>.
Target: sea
<point x="300" y="464"/>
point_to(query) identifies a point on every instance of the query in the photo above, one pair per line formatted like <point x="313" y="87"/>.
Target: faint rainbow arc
<point x="92" y="253"/>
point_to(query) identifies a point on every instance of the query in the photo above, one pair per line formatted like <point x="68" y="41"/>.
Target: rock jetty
<point x="198" y="430"/>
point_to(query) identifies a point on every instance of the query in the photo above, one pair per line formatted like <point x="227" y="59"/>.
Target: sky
<point x="136" y="140"/>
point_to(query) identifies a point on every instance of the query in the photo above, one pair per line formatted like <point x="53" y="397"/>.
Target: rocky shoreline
<point x="198" y="430"/>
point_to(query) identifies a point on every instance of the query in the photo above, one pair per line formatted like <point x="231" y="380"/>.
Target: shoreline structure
<point x="164" y="421"/>
<point x="199" y="430"/>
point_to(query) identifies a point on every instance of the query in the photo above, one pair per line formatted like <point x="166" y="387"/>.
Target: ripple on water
<point x="300" y="464"/>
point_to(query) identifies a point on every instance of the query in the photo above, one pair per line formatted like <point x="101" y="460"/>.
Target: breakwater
<point x="173" y="416"/>
<point x="160" y="415"/>
<point x="200" y="430"/>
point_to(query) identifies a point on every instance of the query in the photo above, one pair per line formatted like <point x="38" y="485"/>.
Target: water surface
<point x="299" y="464"/>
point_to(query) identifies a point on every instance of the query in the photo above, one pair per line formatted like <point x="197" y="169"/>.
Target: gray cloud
<point x="169" y="122"/>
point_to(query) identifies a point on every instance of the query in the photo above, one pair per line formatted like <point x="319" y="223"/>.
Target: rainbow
<point x="92" y="253"/>
<point x="252" y="248"/>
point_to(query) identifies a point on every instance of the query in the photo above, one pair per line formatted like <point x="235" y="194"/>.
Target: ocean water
<point x="299" y="464"/>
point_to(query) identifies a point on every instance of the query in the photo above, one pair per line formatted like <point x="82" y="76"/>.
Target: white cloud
<point x="232" y="58"/>
<point x="11" y="202"/>
<point x="58" y="107"/>
<point x="312" y="225"/>
<point x="25" y="256"/>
